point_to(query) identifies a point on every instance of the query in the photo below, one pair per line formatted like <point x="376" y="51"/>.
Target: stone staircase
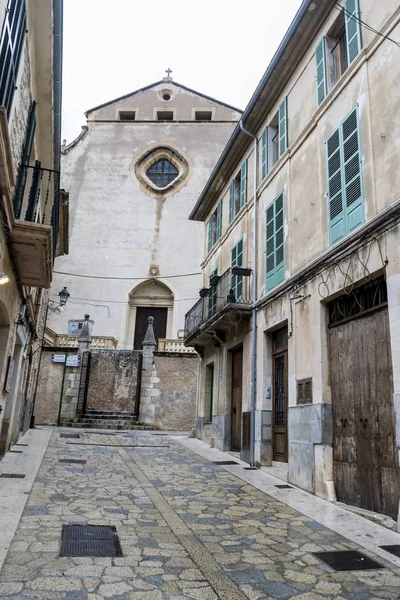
<point x="103" y="419"/>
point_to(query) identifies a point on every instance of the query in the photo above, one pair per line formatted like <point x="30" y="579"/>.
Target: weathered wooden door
<point x="237" y="384"/>
<point x="280" y="404"/>
<point x="366" y="470"/>
<point x="143" y="313"/>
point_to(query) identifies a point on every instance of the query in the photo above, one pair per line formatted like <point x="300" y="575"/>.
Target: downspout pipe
<point x="253" y="299"/>
<point x="58" y="6"/>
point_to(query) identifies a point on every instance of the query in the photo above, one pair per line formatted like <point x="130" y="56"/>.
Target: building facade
<point x="325" y="208"/>
<point x="134" y="174"/>
<point x="34" y="212"/>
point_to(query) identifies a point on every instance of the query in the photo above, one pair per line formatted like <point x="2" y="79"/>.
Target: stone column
<point x="148" y="376"/>
<point x="74" y="375"/>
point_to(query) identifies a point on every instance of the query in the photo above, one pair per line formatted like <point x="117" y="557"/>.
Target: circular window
<point x="166" y="97"/>
<point x="162" y="172"/>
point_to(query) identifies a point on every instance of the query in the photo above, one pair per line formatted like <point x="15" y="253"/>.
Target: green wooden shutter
<point x="11" y="43"/>
<point x="275" y="255"/>
<point x="321" y="71"/>
<point x="231" y="200"/>
<point x="26" y="154"/>
<point x="337" y="225"/>
<point x="264" y="153"/>
<point x="210" y="233"/>
<point x="283" y="144"/>
<point x="219" y="219"/>
<point x="243" y="184"/>
<point x="351" y="176"/>
<point x="237" y="280"/>
<point x="353" y="30"/>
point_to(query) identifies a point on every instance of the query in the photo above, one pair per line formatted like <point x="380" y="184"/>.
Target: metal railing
<point x="217" y="297"/>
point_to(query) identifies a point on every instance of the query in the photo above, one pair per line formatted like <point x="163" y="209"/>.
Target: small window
<point x="127" y="115"/>
<point x="165" y="115"/>
<point x="203" y="115"/>
<point x="304" y="391"/>
<point x="276" y="137"/>
<point x="162" y="173"/>
<point x="336" y="51"/>
<point x="166" y="97"/>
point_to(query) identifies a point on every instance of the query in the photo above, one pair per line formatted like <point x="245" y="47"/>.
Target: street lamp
<point x="58" y="308"/>
<point x="64" y="295"/>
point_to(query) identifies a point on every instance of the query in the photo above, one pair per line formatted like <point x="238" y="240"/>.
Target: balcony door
<point x="142" y="320"/>
<point x="236" y="409"/>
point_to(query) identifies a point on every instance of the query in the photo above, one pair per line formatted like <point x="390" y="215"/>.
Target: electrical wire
<point x="365" y="25"/>
<point x="127" y="278"/>
<point x="75" y="299"/>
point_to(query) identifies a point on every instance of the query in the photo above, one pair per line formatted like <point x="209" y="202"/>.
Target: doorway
<point x="237" y="387"/>
<point x="280" y="395"/>
<point x="143" y="313"/>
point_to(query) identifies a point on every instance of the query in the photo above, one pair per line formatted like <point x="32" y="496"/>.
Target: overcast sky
<point x="218" y="47"/>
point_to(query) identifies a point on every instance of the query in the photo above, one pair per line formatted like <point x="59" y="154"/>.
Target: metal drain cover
<point x="12" y="475"/>
<point x="250" y="468"/>
<point x="284" y="487"/>
<point x="393" y="549"/>
<point x="16" y="451"/>
<point x="70" y="435"/>
<point x="90" y="540"/>
<point x="347" y="560"/>
<point x="76" y="461"/>
<point x="225" y="462"/>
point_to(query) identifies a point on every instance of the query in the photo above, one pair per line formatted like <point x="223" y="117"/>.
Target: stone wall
<point x="114" y="380"/>
<point x="49" y="388"/>
<point x="168" y="396"/>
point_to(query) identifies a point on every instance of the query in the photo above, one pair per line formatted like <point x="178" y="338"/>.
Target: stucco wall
<point x="113" y="380"/>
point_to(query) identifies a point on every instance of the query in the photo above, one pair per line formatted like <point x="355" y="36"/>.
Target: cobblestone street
<point x="188" y="529"/>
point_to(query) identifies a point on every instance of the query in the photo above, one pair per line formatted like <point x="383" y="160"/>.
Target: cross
<point x="168" y="72"/>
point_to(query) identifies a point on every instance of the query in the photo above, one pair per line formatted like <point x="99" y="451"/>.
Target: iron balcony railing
<point x="36" y="196"/>
<point x="228" y="289"/>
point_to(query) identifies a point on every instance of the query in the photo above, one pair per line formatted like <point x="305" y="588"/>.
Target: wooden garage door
<point x="366" y="470"/>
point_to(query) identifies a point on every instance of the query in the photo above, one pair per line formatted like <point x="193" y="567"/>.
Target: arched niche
<point x="150" y="298"/>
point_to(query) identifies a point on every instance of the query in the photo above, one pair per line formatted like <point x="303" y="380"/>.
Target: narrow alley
<point x="187" y="527"/>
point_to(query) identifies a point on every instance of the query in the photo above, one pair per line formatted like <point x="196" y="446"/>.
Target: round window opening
<point x="162" y="173"/>
<point x="166" y="96"/>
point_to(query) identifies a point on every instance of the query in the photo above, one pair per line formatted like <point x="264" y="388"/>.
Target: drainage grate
<point x="75" y="461"/>
<point x="347" y="560"/>
<point x="16" y="451"/>
<point x="12" y="475"/>
<point x="70" y="435"/>
<point x="90" y="540"/>
<point x="21" y="444"/>
<point x="225" y="462"/>
<point x="392" y="549"/>
<point x="284" y="487"/>
<point x="250" y="468"/>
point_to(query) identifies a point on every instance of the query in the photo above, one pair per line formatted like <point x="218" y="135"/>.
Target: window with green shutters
<point x="283" y="144"/>
<point x="11" y="44"/>
<point x="275" y="254"/>
<point x="215" y="226"/>
<point x="264" y="153"/>
<point x="238" y="192"/>
<point x="212" y="295"/>
<point x="237" y="280"/>
<point x="274" y="142"/>
<point x="345" y="190"/>
<point x="338" y="49"/>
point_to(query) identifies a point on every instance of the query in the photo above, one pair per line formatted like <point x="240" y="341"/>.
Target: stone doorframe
<point x="149" y="293"/>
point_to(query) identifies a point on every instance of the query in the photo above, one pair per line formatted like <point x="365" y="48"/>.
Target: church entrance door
<point x="142" y="317"/>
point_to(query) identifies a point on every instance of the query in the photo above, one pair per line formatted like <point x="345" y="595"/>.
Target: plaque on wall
<point x="10" y="370"/>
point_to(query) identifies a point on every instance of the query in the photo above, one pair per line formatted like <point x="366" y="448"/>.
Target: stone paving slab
<point x="188" y="529"/>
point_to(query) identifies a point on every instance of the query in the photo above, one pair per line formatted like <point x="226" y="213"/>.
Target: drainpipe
<point x="253" y="301"/>
<point x="57" y="98"/>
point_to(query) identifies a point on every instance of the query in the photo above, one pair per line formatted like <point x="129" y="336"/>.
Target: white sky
<point x="218" y="47"/>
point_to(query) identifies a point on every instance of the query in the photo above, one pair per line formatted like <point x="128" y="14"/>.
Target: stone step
<point x="104" y="414"/>
<point x="105" y="425"/>
<point x="112" y="417"/>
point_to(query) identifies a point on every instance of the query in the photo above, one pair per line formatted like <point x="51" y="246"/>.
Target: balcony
<point x="35" y="228"/>
<point x="223" y="306"/>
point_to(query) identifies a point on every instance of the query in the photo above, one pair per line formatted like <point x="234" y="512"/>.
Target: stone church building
<point x="134" y="174"/>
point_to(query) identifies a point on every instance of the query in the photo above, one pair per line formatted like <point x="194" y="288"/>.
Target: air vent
<point x="304" y="391"/>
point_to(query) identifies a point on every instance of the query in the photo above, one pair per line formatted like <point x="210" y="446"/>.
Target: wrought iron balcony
<point x="226" y="303"/>
<point x="35" y="230"/>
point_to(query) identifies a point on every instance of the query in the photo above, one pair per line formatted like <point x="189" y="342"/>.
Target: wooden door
<point x="280" y="407"/>
<point x="142" y="320"/>
<point x="237" y="384"/>
<point x="366" y="470"/>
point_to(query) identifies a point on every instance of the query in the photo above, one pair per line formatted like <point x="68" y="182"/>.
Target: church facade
<point x="134" y="174"/>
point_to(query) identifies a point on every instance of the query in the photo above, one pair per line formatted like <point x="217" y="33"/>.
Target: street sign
<point x="73" y="360"/>
<point x="58" y="358"/>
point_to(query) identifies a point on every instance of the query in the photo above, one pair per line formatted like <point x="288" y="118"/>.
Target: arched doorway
<point x="150" y="298"/>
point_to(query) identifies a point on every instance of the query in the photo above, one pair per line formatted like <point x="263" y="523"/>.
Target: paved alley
<point x="188" y="528"/>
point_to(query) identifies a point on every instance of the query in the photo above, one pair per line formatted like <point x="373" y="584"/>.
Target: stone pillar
<point x="148" y="376"/>
<point x="74" y="376"/>
<point x="85" y="338"/>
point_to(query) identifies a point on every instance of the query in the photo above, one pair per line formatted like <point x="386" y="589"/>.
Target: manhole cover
<point x="347" y="560"/>
<point x="393" y="549"/>
<point x="70" y="435"/>
<point x="90" y="540"/>
<point x="225" y="462"/>
<point x="75" y="461"/>
<point x="284" y="487"/>
<point x="12" y="475"/>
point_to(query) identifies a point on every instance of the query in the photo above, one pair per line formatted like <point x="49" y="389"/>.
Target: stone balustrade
<point x="165" y="345"/>
<point x="71" y="341"/>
